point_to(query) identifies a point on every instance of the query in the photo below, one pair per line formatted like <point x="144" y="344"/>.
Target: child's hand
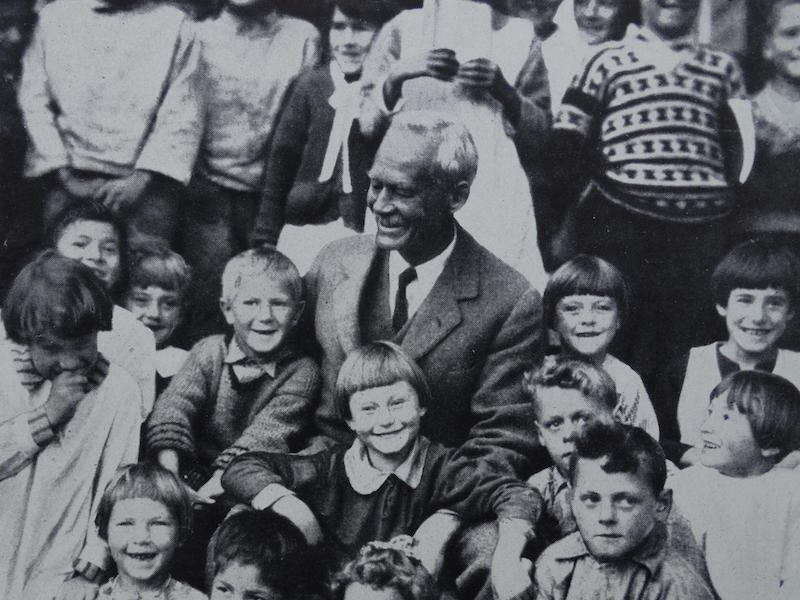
<point x="510" y="576"/>
<point x="122" y="195"/>
<point x="212" y="489"/>
<point x="196" y="497"/>
<point x="98" y="372"/>
<point x="67" y="391"/>
<point x="77" y="588"/>
<point x="439" y="63"/>
<point x="480" y="73"/>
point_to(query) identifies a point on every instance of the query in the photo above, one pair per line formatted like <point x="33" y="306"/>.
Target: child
<point x="68" y="419"/>
<point x="251" y="53"/>
<point x="745" y="511"/>
<point x="110" y="98"/>
<point x="143" y="515"/>
<point x="261" y="555"/>
<point x="567" y="394"/>
<point x="89" y="232"/>
<point x="772" y="186"/>
<point x="639" y="150"/>
<point x="316" y="182"/>
<point x="157" y="296"/>
<point x="385" y="570"/>
<point x="585" y="304"/>
<point x="755" y="288"/>
<point x="389" y="480"/>
<point x="621" y="548"/>
<point x="244" y="391"/>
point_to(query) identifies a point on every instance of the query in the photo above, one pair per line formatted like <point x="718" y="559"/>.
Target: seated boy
<point x="68" y="419"/>
<point x="389" y="480"/>
<point x="621" y="548"/>
<point x="109" y="94"/>
<point x="244" y="391"/>
<point x="755" y="287"/>
<point x="743" y="510"/>
<point x="261" y="555"/>
<point x="157" y="296"/>
<point x="567" y="394"/>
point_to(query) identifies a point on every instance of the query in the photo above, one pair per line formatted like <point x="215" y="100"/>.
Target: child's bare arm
<point x="433" y="537"/>
<point x="510" y="571"/>
<point x="298" y="512"/>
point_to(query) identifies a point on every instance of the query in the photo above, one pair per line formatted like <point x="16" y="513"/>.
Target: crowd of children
<point x="170" y="169"/>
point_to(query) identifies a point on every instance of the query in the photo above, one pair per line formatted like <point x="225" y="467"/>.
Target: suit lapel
<point x="440" y="312"/>
<point x="347" y="297"/>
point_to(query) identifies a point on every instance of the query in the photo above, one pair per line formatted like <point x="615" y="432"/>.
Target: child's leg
<point x="157" y="214"/>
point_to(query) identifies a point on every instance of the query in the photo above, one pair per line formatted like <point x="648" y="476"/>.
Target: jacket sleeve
<point x="500" y="441"/>
<point x="21" y="439"/>
<point x="282" y="419"/>
<point x="285" y="155"/>
<point x="533" y="89"/>
<point x="46" y="151"/>
<point x="174" y="141"/>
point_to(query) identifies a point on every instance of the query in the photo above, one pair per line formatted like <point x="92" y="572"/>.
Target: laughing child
<point x="68" y="419"/>
<point x="744" y="510"/>
<point x="755" y="287"/>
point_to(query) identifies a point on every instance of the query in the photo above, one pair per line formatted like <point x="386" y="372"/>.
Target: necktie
<point x="400" y="315"/>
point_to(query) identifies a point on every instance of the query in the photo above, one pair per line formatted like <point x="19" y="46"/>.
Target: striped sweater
<point x="652" y="118"/>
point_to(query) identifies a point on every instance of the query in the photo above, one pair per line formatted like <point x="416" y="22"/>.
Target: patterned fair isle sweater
<point x="653" y="115"/>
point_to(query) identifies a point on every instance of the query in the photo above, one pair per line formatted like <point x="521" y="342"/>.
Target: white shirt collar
<point x="236" y="356"/>
<point x="427" y="274"/>
<point x="169" y="360"/>
<point x="366" y="479"/>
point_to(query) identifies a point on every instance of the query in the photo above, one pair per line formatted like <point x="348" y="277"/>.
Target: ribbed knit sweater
<point x="208" y="417"/>
<point x="651" y="118"/>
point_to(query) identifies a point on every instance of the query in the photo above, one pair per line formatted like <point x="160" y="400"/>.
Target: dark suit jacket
<point x="474" y="336"/>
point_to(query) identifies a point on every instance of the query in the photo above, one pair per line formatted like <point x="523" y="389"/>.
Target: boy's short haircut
<point x="627" y="449"/>
<point x="267" y="541"/>
<point x="374" y="365"/>
<point x="573" y="374"/>
<point x="146" y="480"/>
<point x="585" y="274"/>
<point x="380" y="565"/>
<point x="376" y="12"/>
<point x="56" y="296"/>
<point x="153" y="263"/>
<point x="91" y="210"/>
<point x="757" y="265"/>
<point x="771" y="405"/>
<point x="261" y="261"/>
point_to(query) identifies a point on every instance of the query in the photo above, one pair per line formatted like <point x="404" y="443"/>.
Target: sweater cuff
<point x="41" y="430"/>
<point x="87" y="570"/>
<point x="270" y="495"/>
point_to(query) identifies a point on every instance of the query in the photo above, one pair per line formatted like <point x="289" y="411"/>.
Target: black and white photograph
<point x="400" y="299"/>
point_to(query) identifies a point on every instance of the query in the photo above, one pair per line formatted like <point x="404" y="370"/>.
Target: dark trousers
<point x="216" y="222"/>
<point x="668" y="267"/>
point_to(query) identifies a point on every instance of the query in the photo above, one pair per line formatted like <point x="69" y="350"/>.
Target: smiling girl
<point x="585" y="304"/>
<point x="143" y="516"/>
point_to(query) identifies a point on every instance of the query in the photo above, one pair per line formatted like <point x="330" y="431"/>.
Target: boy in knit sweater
<point x="245" y="391"/>
<point x="110" y="101"/>
<point x="251" y="54"/>
<point x="647" y="116"/>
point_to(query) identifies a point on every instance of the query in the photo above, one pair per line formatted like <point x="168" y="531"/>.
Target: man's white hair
<point x="455" y="157"/>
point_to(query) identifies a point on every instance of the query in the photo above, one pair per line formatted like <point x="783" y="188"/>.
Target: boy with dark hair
<point x="755" y="288"/>
<point x="744" y="509"/>
<point x="260" y="554"/>
<point x="621" y="548"/>
<point x="648" y="119"/>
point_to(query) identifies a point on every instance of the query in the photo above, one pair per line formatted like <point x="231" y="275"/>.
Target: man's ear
<point x="663" y="505"/>
<point x="458" y="197"/>
<point x="227" y="310"/>
<point x="349" y="422"/>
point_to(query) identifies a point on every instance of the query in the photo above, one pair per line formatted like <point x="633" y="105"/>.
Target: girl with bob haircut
<point x="68" y="419"/>
<point x="586" y="303"/>
<point x="89" y="232"/>
<point x="143" y="516"/>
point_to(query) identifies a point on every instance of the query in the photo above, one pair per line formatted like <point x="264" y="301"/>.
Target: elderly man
<point x="470" y="321"/>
